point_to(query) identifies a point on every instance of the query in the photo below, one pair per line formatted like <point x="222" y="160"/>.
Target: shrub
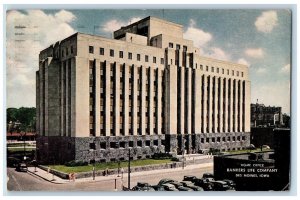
<point x="174" y="159"/>
<point x="74" y="163"/>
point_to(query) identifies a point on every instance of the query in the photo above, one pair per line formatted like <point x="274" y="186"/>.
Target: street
<point x="20" y="181"/>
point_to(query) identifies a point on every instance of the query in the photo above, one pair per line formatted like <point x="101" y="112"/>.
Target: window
<point x="184" y="48"/>
<point x="177" y="46"/>
<point x="242" y="74"/>
<point x="139" y="143"/>
<point x="218" y="70"/>
<point x="212" y="69"/>
<point x="67" y="51"/>
<point x="92" y="146"/>
<point x="72" y="50"/>
<point x="120" y="54"/>
<point x="170" y="45"/>
<point x="129" y="56"/>
<point x="62" y="53"/>
<point x="103" y="145"/>
<point x="101" y="51"/>
<point x="227" y="71"/>
<point x="162" y="61"/>
<point x="130" y="143"/>
<point x="202" y="140"/>
<point x="138" y="57"/>
<point x="146" y="58"/>
<point x="207" y="68"/>
<point x="237" y="73"/>
<point x="154" y="59"/>
<point x="232" y="73"/>
<point x="201" y="67"/>
<point x="111" y="53"/>
<point x="222" y="71"/>
<point x="148" y="143"/>
<point x="91" y="49"/>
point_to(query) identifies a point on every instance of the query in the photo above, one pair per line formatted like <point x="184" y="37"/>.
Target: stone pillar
<point x="204" y="116"/>
<point x="247" y="105"/>
<point x="210" y="105"/>
<point x="241" y="106"/>
<point x="197" y="101"/>
<point x="189" y="101"/>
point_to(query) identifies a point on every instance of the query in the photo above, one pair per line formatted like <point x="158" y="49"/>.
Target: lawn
<point x="20" y="149"/>
<point x="111" y="165"/>
<point x="247" y="151"/>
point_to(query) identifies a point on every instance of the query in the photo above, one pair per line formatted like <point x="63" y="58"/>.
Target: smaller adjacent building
<point x="266" y="116"/>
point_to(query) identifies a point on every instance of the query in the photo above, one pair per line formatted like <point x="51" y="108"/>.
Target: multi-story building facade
<point x="266" y="116"/>
<point x="148" y="90"/>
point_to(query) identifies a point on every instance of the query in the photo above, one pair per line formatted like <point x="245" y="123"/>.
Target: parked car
<point x="189" y="178"/>
<point x="190" y="184"/>
<point x="141" y="186"/>
<point x="182" y="188"/>
<point x="231" y="183"/>
<point x="207" y="175"/>
<point x="169" y="187"/>
<point x="266" y="146"/>
<point x="205" y="183"/>
<point x="13" y="162"/>
<point x="164" y="181"/>
<point x="22" y="167"/>
<point x="176" y="184"/>
<point x="220" y="186"/>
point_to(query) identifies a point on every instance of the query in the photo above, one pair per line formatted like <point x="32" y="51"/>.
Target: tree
<point x="26" y="116"/>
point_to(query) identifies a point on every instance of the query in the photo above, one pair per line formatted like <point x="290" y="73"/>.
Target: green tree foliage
<point x="26" y="116"/>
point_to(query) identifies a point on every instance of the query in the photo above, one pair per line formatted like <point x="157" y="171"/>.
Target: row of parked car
<point x="189" y="183"/>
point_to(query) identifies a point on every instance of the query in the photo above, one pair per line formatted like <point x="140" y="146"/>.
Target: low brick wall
<point x="133" y="169"/>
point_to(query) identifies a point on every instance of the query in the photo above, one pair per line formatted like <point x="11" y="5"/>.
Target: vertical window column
<point x="225" y="105"/>
<point x="118" y="121"/>
<point x="91" y="96"/>
<point x="143" y="93"/>
<point x="210" y="104"/>
<point x="189" y="101"/>
<point x="107" y="98"/>
<point x="151" y="79"/>
<point x="102" y="98"/>
<point x="135" y="108"/>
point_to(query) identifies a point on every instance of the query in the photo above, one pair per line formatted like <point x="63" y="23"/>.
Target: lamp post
<point x="118" y="147"/>
<point x="129" y="168"/>
<point x="183" y="149"/>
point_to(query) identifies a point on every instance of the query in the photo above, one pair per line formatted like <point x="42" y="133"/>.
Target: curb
<point x="34" y="174"/>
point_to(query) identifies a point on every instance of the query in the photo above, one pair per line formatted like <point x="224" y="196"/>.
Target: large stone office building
<point x="148" y="89"/>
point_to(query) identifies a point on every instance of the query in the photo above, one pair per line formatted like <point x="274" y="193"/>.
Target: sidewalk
<point x="57" y="180"/>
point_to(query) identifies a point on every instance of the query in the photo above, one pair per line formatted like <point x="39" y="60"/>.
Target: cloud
<point x="261" y="70"/>
<point x="198" y="36"/>
<point x="217" y="53"/>
<point x="273" y="94"/>
<point x="113" y="25"/>
<point x="243" y="62"/>
<point x="255" y="53"/>
<point x="23" y="46"/>
<point x="266" y="21"/>
<point x="286" y="68"/>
